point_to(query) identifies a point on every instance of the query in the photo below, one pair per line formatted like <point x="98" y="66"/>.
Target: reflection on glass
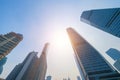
<point x="2" y="62"/>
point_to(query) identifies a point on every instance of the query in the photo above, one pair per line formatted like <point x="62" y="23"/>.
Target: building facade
<point x="113" y="53"/>
<point x="8" y="42"/>
<point x="2" y="63"/>
<point x="18" y="72"/>
<point x="107" y="20"/>
<point x="32" y="68"/>
<point x="90" y="62"/>
<point x="117" y="65"/>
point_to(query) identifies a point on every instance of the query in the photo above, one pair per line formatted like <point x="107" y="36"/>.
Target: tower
<point x="19" y="71"/>
<point x="2" y="63"/>
<point x="42" y="68"/>
<point x="32" y="68"/>
<point x="90" y="62"/>
<point x="113" y="53"/>
<point x="8" y="42"/>
<point x="107" y="20"/>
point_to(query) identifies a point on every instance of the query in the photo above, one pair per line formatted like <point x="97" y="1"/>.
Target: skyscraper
<point x="107" y="20"/>
<point x="43" y="64"/>
<point x="21" y="68"/>
<point x="2" y="63"/>
<point x="113" y="53"/>
<point x="8" y="42"/>
<point x="32" y="68"/>
<point x="117" y="65"/>
<point x="93" y="66"/>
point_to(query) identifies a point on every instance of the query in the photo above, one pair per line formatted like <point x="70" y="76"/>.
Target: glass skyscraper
<point x="113" y="53"/>
<point x="8" y="42"/>
<point x="32" y="68"/>
<point x="117" y="65"/>
<point x="91" y="64"/>
<point x="107" y="20"/>
<point x="21" y="68"/>
<point x="2" y="63"/>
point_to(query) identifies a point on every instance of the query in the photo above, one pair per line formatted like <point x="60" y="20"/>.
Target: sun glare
<point x="61" y="53"/>
<point x="60" y="39"/>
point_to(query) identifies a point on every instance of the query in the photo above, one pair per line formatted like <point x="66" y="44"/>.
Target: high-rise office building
<point x="113" y="53"/>
<point x="93" y="66"/>
<point x="42" y="68"/>
<point x="2" y="63"/>
<point x="21" y="68"/>
<point x="117" y="65"/>
<point x="107" y="20"/>
<point x="32" y="68"/>
<point x="8" y="42"/>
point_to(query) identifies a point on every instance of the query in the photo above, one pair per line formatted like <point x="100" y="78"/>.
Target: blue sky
<point x="42" y="21"/>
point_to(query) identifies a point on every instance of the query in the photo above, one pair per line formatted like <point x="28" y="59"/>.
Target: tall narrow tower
<point x="21" y="69"/>
<point x="90" y="62"/>
<point x="113" y="53"/>
<point x="37" y="68"/>
<point x="42" y="68"/>
<point x="32" y="68"/>
<point x="107" y="20"/>
<point x="8" y="42"/>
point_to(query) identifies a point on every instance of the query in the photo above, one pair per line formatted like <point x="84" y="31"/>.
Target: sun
<point x="61" y="53"/>
<point x="60" y="38"/>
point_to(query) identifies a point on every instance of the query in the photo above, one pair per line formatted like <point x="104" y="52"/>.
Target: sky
<point x="42" y="21"/>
